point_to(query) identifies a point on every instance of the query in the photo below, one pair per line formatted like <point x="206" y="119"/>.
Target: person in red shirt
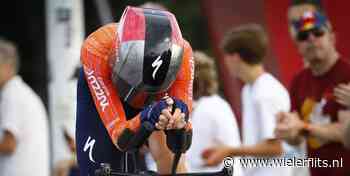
<point x="137" y="71"/>
<point x="344" y="118"/>
<point x="315" y="108"/>
<point x="342" y="94"/>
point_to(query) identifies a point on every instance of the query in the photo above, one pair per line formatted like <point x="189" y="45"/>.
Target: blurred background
<point x="49" y="34"/>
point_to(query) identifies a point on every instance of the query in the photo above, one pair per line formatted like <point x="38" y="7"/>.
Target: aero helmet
<point x="149" y="54"/>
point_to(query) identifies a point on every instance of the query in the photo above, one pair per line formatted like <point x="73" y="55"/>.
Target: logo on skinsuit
<point x="90" y="145"/>
<point x="100" y="94"/>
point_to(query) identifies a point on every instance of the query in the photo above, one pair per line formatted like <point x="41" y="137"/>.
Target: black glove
<point x="152" y="112"/>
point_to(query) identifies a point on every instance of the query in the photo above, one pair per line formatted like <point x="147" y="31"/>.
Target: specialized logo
<point x="157" y="63"/>
<point x="100" y="94"/>
<point x="90" y="145"/>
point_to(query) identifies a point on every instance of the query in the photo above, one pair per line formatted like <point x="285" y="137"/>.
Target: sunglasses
<point x="304" y="35"/>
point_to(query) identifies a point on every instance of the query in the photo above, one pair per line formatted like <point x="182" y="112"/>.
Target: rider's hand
<point x="152" y="113"/>
<point x="179" y="118"/>
<point x="166" y="114"/>
<point x="178" y="129"/>
<point x="162" y="123"/>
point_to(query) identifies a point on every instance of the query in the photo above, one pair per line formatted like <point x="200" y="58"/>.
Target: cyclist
<point x="136" y="71"/>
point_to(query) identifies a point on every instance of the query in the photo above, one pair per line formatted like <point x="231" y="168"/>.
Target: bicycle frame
<point x="106" y="170"/>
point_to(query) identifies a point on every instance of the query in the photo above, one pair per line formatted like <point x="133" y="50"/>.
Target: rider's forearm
<point x="162" y="155"/>
<point x="129" y="127"/>
<point x="164" y="164"/>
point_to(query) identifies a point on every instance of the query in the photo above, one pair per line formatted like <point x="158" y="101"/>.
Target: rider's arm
<point x="97" y="55"/>
<point x="162" y="155"/>
<point x="183" y="85"/>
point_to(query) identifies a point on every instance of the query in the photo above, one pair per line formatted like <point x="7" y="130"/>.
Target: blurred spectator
<point x="212" y="118"/>
<point x="311" y="91"/>
<point x="24" y="145"/>
<point x="68" y="166"/>
<point x="342" y="94"/>
<point x="344" y="118"/>
<point x="262" y="97"/>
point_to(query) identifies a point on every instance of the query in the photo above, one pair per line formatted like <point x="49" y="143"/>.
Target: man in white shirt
<point x="213" y="121"/>
<point x="24" y="146"/>
<point x="262" y="97"/>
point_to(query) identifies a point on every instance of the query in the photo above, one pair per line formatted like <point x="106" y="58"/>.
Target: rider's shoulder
<point x="102" y="40"/>
<point x="105" y="30"/>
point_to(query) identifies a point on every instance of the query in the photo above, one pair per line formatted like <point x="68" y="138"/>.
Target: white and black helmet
<point x="150" y="52"/>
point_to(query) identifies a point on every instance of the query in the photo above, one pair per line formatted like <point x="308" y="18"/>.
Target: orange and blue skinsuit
<point x="101" y="114"/>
